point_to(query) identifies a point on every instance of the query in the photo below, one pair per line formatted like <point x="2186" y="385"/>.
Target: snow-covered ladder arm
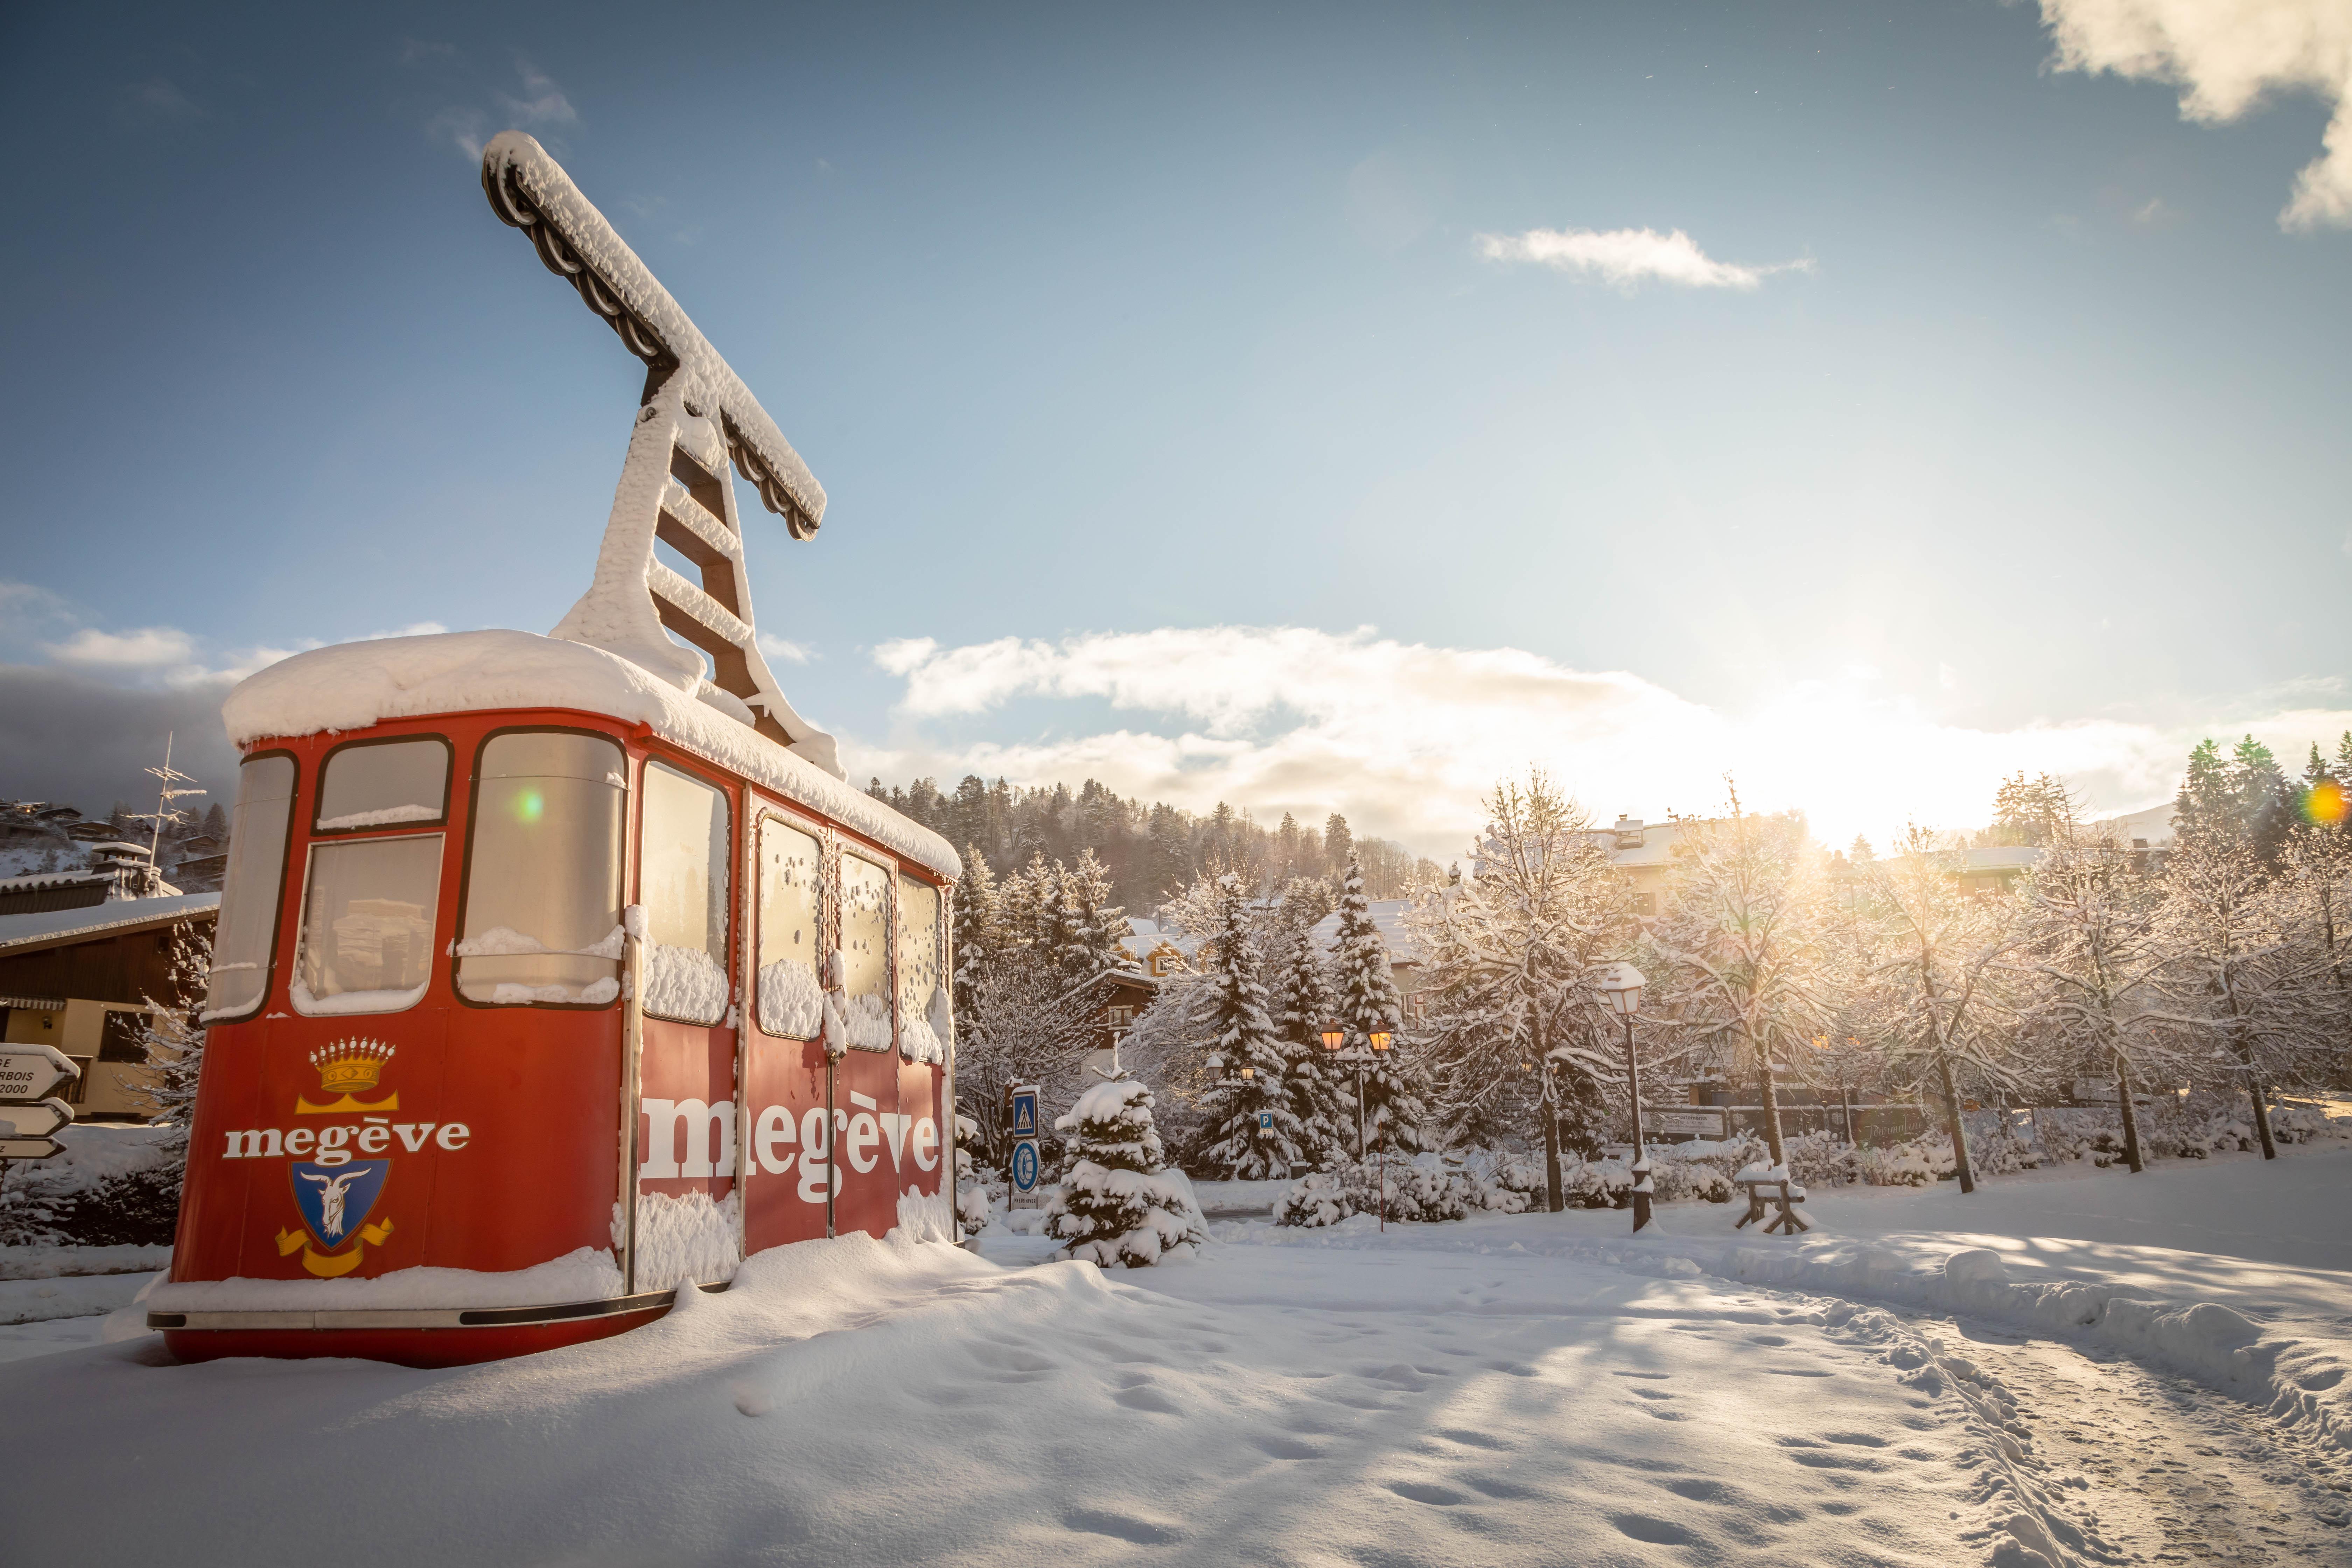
<point x="697" y="414"/>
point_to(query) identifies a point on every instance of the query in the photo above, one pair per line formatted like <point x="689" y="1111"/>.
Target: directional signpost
<point x="27" y="1116"/>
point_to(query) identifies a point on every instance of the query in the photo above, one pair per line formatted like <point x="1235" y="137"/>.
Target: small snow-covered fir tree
<point x="1303" y="1005"/>
<point x="976" y="934"/>
<point x="1367" y="1000"/>
<point x="1091" y="928"/>
<point x="1119" y="1203"/>
<point x="1258" y="1132"/>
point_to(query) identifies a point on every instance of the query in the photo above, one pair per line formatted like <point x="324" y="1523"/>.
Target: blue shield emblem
<point x="334" y="1200"/>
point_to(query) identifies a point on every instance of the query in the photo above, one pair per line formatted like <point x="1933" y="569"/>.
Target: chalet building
<point x="116" y="871"/>
<point x="79" y="978"/>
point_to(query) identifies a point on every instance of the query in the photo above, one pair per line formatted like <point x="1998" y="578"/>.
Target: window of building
<point x="865" y="953"/>
<point x="791" y="868"/>
<point x="384" y="783"/>
<point x="682" y="882"/>
<point x="542" y="903"/>
<point x="1646" y="903"/>
<point x="122" y="1036"/>
<point x="367" y="943"/>
<point x="1119" y="1017"/>
<point x="254" y="884"/>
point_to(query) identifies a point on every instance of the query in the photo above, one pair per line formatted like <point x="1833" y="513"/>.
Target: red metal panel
<point x="786" y="1168"/>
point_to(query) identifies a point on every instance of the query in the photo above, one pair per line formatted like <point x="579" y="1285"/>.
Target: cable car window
<point x="542" y="920"/>
<point x="367" y="925"/>
<point x="919" y="968"/>
<point x="682" y="882"/>
<point x="384" y="783"/>
<point x="865" y="954"/>
<point x="256" y="881"/>
<point x="792" y="1003"/>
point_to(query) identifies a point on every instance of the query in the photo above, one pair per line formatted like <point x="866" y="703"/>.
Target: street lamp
<point x="1619" y="986"/>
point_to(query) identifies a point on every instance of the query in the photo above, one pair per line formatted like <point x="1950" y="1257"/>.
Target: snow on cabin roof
<point x="54" y="928"/>
<point x="1145" y="935"/>
<point x="1388" y="919"/>
<point x="355" y="685"/>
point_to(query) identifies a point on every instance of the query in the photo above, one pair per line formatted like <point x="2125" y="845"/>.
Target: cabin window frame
<point x="888" y="864"/>
<point x="621" y="871"/>
<point x="269" y="977"/>
<point x="391" y="833"/>
<point x="634" y="847"/>
<point x="318" y="785"/>
<point x="828" y="892"/>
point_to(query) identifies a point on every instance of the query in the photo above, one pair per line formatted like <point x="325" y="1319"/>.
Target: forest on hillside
<point x="1151" y="851"/>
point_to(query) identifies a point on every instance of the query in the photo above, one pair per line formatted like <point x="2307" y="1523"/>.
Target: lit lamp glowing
<point x="1334" y="1036"/>
<point x="1619" y="986"/>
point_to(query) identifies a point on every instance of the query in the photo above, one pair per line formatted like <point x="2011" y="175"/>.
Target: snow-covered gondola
<point x="557" y="974"/>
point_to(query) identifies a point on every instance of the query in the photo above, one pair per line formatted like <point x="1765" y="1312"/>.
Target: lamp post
<point x="1380" y="1039"/>
<point x="1335" y="1035"/>
<point x="1621" y="986"/>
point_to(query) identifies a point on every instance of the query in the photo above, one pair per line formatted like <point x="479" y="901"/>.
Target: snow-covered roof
<point x="530" y="190"/>
<point x="2001" y="858"/>
<point x="1147" y="935"/>
<point x="37" y="880"/>
<point x="1388" y="919"/>
<point x="355" y="685"/>
<point x="52" y="928"/>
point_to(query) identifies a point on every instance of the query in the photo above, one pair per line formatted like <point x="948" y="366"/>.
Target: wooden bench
<point x="1779" y="1191"/>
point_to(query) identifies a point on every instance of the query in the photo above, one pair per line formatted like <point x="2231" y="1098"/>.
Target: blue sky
<point x="1197" y="353"/>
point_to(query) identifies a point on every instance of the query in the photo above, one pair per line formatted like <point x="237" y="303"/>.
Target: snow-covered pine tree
<point x="1119" y="1203"/>
<point x="1366" y="1002"/>
<point x="1243" y="1037"/>
<point x="1092" y="929"/>
<point x="976" y="934"/>
<point x="1303" y="1005"/>
<point x="175" y="1043"/>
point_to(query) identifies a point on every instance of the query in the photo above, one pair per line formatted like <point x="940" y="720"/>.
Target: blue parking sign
<point x="1266" y="1120"/>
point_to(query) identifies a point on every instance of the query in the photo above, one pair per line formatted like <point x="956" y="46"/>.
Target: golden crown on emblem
<point x="348" y="1067"/>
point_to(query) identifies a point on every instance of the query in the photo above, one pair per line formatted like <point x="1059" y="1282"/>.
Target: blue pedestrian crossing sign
<point x="1265" y="1121"/>
<point x="1025" y="1111"/>
<point x="1025" y="1167"/>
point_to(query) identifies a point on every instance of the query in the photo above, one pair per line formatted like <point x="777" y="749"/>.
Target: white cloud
<point x="1624" y="256"/>
<point x="148" y="648"/>
<point x="784" y="648"/>
<point x="1406" y="737"/>
<point x="546" y="105"/>
<point x="2227" y="57"/>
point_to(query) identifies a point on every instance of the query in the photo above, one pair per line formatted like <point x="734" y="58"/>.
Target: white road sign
<point x="28" y="1148"/>
<point x="29" y="1072"/>
<point x="34" y="1121"/>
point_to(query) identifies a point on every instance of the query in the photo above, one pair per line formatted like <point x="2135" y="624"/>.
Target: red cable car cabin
<point x="552" y="976"/>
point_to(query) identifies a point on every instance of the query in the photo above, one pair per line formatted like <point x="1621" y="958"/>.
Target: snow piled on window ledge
<point x="684" y="982"/>
<point x="384" y="818"/>
<point x="792" y="1006"/>
<point x="343" y="1002"/>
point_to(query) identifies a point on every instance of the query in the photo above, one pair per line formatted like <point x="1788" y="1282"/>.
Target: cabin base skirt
<point x="419" y="1339"/>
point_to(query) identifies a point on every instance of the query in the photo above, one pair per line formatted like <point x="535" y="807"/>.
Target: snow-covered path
<point x="1524" y="1389"/>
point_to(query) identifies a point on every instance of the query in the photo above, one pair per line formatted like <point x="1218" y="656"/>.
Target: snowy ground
<point x="1524" y="1389"/>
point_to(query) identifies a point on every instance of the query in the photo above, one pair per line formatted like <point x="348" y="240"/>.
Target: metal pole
<point x="633" y="1048"/>
<point x="1359" y="1112"/>
<point x="1641" y="1150"/>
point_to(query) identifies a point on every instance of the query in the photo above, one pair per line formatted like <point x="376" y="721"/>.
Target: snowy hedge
<point x="112" y="1186"/>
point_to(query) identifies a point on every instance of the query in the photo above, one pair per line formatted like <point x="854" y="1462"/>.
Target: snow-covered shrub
<point x="1421" y="1189"/>
<point x="1120" y="1202"/>
<point x="1821" y="1160"/>
<point x="112" y="1186"/>
<point x="1503" y="1183"/>
<point x="1904" y="1165"/>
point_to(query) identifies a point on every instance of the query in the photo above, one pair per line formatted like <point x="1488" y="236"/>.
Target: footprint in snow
<point x="1148" y="1398"/>
<point x="1656" y="1531"/>
<point x="1142" y="1532"/>
<point x="1418" y="1492"/>
<point x="1281" y="1447"/>
<point x="1467" y="1438"/>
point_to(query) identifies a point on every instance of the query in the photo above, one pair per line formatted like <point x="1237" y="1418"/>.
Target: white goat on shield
<point x="330" y="1200"/>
